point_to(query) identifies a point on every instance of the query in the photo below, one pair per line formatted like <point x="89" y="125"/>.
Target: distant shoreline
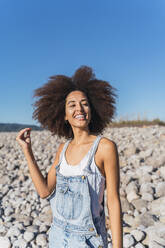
<point x="15" y="127"/>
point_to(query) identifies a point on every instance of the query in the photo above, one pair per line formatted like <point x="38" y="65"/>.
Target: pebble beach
<point x="25" y="218"/>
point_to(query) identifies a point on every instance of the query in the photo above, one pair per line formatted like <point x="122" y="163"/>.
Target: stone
<point x="162" y="171"/>
<point x="43" y="228"/>
<point x="157" y="206"/>
<point x="5" y="242"/>
<point x="26" y="220"/>
<point x="132" y="186"/>
<point x="145" y="219"/>
<point x="160" y="189"/>
<point x="162" y="218"/>
<point x="143" y="210"/>
<point x="19" y="243"/>
<point x="2" y="230"/>
<point x="46" y="218"/>
<point x="146" y="168"/>
<point x="138" y="235"/>
<point x="139" y="245"/>
<point x="28" y="236"/>
<point x="146" y="187"/>
<point x="37" y="222"/>
<point x="130" y="150"/>
<point x="154" y="244"/>
<point x="41" y="240"/>
<point x="8" y="211"/>
<point x="126" y="206"/>
<point x="145" y="177"/>
<point x="32" y="228"/>
<point x="126" y="178"/>
<point x="146" y="153"/>
<point x="136" y="213"/>
<point x="13" y="231"/>
<point x="33" y="244"/>
<point x="132" y="196"/>
<point x="1" y="145"/>
<point x="5" y="189"/>
<point x="129" y="219"/>
<point x="128" y="241"/>
<point x="4" y="179"/>
<point x="147" y="197"/>
<point x="127" y="229"/>
<point x="156" y="233"/>
<point x="139" y="204"/>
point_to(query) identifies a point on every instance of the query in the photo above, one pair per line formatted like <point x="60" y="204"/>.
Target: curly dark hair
<point x="50" y="107"/>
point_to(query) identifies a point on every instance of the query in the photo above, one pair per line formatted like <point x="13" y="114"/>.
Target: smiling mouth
<point x="80" y="117"/>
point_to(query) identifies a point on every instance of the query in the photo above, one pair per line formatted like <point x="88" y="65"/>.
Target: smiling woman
<point x="78" y="108"/>
<point x="50" y="107"/>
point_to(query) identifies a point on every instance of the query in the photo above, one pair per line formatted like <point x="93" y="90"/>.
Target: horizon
<point x="39" y="125"/>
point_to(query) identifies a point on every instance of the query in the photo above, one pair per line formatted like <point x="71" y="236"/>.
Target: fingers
<point x="24" y="130"/>
<point x="22" y="133"/>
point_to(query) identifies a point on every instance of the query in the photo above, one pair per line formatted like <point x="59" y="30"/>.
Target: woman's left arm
<point x="112" y="174"/>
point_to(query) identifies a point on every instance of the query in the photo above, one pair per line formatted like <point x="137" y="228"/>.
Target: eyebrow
<point x="84" y="99"/>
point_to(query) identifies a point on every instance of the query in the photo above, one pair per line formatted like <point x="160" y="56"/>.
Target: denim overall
<point x="78" y="216"/>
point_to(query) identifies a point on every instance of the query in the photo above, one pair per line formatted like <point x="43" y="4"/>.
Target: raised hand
<point x="23" y="138"/>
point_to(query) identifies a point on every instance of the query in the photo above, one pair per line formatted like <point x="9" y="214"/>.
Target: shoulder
<point x="60" y="147"/>
<point x="109" y="156"/>
<point x="107" y="149"/>
<point x="106" y="144"/>
<point x="59" y="150"/>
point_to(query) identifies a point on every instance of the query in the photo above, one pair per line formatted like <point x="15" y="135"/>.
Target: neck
<point x="80" y="136"/>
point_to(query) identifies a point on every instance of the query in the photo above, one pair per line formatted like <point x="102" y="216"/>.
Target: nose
<point x="79" y="107"/>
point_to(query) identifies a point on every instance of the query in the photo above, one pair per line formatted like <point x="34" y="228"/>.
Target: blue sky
<point x="123" y="41"/>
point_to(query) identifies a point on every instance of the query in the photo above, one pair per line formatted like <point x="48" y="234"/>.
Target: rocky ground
<point x="25" y="218"/>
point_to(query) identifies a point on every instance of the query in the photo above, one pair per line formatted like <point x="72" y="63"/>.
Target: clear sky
<point x="122" y="40"/>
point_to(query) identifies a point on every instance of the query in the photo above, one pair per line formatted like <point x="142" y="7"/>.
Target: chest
<point x="75" y="155"/>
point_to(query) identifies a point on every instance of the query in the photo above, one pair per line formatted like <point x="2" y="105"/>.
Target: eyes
<point x="73" y="105"/>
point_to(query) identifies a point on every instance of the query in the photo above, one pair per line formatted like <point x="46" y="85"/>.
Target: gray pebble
<point x="28" y="236"/>
<point x="41" y="240"/>
<point x="20" y="243"/>
<point x="128" y="241"/>
<point x="5" y="242"/>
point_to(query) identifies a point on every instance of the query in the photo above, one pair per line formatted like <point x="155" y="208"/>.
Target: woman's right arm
<point x="44" y="187"/>
<point x="51" y="177"/>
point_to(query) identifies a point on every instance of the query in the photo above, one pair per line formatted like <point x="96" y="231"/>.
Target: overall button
<point x="100" y="246"/>
<point x="83" y="177"/>
<point x="91" y="229"/>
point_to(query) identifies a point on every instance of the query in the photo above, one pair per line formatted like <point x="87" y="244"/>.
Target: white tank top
<point x="74" y="170"/>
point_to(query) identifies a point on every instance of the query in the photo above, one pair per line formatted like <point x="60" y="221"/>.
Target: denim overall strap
<point x="93" y="150"/>
<point x="63" y="150"/>
<point x="57" y="167"/>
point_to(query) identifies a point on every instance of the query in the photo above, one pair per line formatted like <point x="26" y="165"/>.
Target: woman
<point x="78" y="108"/>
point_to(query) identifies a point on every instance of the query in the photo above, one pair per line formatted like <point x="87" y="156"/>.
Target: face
<point x="77" y="109"/>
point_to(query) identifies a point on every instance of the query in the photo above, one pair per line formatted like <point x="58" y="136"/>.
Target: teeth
<point x="79" y="116"/>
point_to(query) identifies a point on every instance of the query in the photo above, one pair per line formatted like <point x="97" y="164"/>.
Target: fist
<point x="23" y="138"/>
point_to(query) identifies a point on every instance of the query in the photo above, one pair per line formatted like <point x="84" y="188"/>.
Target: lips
<point x="80" y="117"/>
